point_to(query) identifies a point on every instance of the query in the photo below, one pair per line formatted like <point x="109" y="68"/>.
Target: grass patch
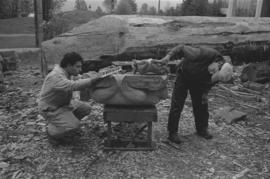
<point x="23" y="25"/>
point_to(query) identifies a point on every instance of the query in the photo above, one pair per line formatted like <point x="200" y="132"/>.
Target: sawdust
<point x="240" y="149"/>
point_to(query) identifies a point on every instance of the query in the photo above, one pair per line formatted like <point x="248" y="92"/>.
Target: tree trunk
<point x="124" y="38"/>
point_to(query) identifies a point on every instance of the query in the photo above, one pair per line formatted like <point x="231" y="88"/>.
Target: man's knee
<point x="82" y="111"/>
<point x="62" y="123"/>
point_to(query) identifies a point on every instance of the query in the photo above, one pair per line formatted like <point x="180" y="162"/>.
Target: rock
<point x="256" y="72"/>
<point x="230" y="115"/>
<point x="123" y="38"/>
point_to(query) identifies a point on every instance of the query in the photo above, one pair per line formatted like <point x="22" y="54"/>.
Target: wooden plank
<point x="138" y="114"/>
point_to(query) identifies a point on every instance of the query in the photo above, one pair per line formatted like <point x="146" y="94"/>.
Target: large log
<point x="116" y="38"/>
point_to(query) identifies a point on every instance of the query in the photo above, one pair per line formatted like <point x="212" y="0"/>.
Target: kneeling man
<point x="55" y="100"/>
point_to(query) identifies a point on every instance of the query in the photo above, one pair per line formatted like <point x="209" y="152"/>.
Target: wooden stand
<point x="131" y="114"/>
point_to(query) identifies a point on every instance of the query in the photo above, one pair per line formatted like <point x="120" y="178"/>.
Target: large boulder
<point x="123" y="38"/>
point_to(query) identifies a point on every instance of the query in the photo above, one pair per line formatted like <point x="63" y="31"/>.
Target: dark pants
<point x="198" y="92"/>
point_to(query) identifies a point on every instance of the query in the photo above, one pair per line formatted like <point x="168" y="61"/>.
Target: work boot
<point x="173" y="137"/>
<point x="204" y="134"/>
<point x="65" y="139"/>
<point x="55" y="141"/>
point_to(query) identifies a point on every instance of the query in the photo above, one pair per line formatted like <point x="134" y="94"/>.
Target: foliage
<point x="171" y="11"/>
<point x="9" y="8"/>
<point x="144" y="9"/>
<point x="201" y="8"/>
<point x="57" y="4"/>
<point x="57" y="25"/>
<point x="99" y="11"/>
<point x="123" y="7"/>
<point x="80" y="5"/>
<point x="152" y="10"/>
<point x="214" y="9"/>
<point x="109" y="5"/>
<point x="133" y="5"/>
<point x="194" y="7"/>
<point x="26" y="7"/>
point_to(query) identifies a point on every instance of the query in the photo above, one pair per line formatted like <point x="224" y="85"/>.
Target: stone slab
<point x="230" y="115"/>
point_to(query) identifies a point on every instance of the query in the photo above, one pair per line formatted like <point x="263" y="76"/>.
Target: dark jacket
<point x="196" y="61"/>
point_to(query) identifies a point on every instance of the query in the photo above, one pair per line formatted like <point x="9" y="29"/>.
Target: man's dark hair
<point x="70" y="59"/>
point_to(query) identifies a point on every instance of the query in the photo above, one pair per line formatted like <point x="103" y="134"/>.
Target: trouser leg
<point x="62" y="124"/>
<point x="200" y="107"/>
<point x="177" y="103"/>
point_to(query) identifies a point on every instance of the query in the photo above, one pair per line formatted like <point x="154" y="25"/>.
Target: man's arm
<point x="63" y="84"/>
<point x="176" y="50"/>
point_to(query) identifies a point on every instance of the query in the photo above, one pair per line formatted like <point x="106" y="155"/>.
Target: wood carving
<point x="129" y="89"/>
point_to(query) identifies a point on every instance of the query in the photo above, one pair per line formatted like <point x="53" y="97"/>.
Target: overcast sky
<point x="95" y="3"/>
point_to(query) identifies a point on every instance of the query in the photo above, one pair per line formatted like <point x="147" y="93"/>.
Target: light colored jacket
<point x="56" y="91"/>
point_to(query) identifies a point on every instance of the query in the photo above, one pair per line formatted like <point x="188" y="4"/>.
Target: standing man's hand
<point x="163" y="61"/>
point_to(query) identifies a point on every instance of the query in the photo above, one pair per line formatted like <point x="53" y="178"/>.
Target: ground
<point x="238" y="150"/>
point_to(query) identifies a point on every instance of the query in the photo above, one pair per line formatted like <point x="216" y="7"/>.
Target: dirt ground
<point x="240" y="150"/>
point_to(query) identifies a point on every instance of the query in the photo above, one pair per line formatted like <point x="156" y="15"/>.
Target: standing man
<point x="55" y="104"/>
<point x="197" y="72"/>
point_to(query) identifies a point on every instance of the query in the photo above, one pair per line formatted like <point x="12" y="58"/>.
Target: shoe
<point x="64" y="140"/>
<point x="174" y="138"/>
<point x="205" y="134"/>
<point x="55" y="142"/>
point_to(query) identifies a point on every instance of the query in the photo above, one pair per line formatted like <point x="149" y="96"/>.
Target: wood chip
<point x="241" y="174"/>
